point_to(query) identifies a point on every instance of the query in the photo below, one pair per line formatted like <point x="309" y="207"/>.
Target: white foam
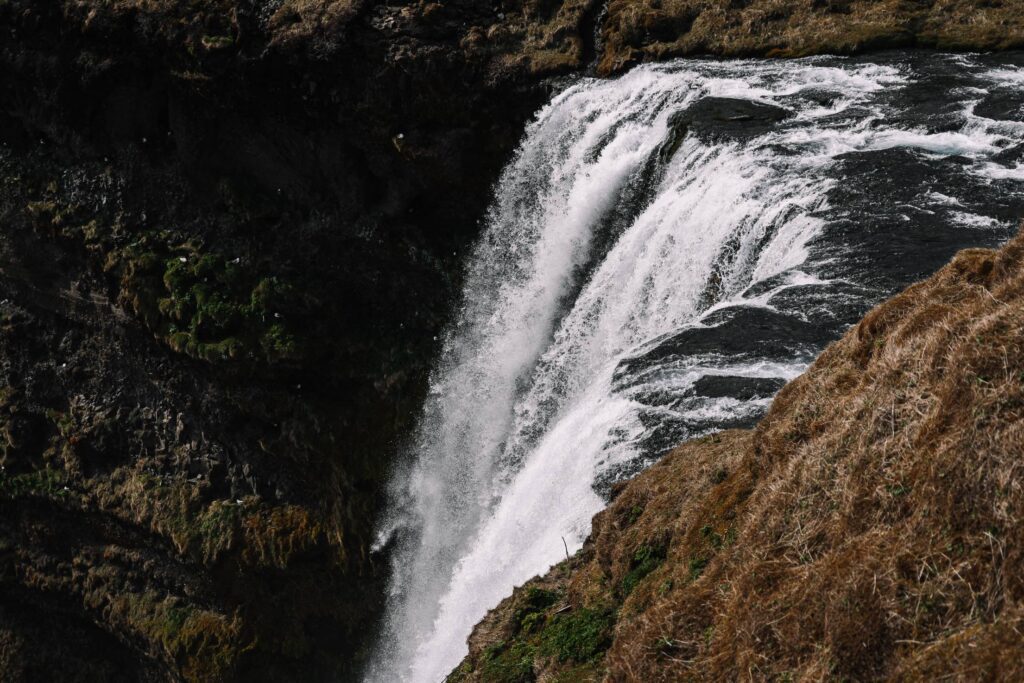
<point x="973" y="220"/>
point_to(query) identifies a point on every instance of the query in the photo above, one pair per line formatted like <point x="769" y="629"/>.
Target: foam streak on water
<point x="580" y="350"/>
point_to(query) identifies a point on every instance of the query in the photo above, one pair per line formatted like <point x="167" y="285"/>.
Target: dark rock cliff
<point x="230" y="232"/>
<point x="230" y="236"/>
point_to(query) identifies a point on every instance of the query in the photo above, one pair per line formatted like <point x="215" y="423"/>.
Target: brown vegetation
<point x="870" y="527"/>
<point x="658" y="29"/>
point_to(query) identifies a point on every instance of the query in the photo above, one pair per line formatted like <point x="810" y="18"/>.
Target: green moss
<point x="645" y="560"/>
<point x="579" y="636"/>
<point x="711" y="536"/>
<point x="512" y="664"/>
<point x="208" y="307"/>
<point x="697" y="566"/>
<point x="530" y="612"/>
<point x="220" y="519"/>
<point x="46" y="482"/>
<point x="278" y="343"/>
<point x="576" y="640"/>
<point x="270" y="294"/>
<point x="634" y="514"/>
<point x="461" y="673"/>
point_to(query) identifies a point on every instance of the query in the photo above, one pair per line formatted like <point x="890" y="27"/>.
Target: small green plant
<point x="646" y="559"/>
<point x="897" y="490"/>
<point x="665" y="645"/>
<point x="712" y="537"/>
<point x="46" y="482"/>
<point x="217" y="42"/>
<point x="697" y="566"/>
<point x="634" y="514"/>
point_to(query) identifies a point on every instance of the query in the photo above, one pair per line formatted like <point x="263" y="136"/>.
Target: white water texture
<point x="594" y="249"/>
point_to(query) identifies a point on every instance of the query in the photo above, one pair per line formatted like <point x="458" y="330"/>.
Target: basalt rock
<point x="230" y="236"/>
<point x="714" y="119"/>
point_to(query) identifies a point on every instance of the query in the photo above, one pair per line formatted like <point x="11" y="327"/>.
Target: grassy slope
<point x="658" y="29"/>
<point x="871" y="526"/>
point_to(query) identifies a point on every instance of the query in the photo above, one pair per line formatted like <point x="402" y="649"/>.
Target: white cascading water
<point x="576" y="270"/>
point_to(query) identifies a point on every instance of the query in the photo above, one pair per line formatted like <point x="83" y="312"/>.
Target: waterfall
<point x="640" y="281"/>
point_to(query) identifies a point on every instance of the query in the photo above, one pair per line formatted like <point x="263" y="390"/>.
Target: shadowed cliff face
<point x="868" y="528"/>
<point x="229" y="233"/>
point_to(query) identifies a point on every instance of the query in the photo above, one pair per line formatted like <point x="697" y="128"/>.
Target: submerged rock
<point x="741" y="388"/>
<point x="713" y="119"/>
<point x="735" y="332"/>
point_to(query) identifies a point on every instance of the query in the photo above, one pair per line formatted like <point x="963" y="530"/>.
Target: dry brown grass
<point x="538" y="38"/>
<point x="667" y="28"/>
<point x="872" y="526"/>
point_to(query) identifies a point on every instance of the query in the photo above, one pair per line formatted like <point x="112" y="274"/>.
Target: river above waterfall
<point x="663" y="252"/>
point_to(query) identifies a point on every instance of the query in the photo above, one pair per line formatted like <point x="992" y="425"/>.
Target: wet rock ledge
<point x="230" y="232"/>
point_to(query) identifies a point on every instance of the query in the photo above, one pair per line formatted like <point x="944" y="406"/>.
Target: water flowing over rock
<point x="614" y="282"/>
<point x="869" y="528"/>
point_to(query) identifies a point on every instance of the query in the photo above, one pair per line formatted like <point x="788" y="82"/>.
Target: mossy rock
<point x="205" y="306"/>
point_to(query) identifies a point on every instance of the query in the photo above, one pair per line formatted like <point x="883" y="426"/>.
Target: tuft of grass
<point x="696" y="567"/>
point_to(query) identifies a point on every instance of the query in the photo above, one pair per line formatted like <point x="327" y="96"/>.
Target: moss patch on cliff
<point x="198" y="301"/>
<point x="205" y="645"/>
<point x="871" y="527"/>
<point x="257" y="534"/>
<point x="46" y="483"/>
<point x="207" y="306"/>
<point x="543" y="631"/>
